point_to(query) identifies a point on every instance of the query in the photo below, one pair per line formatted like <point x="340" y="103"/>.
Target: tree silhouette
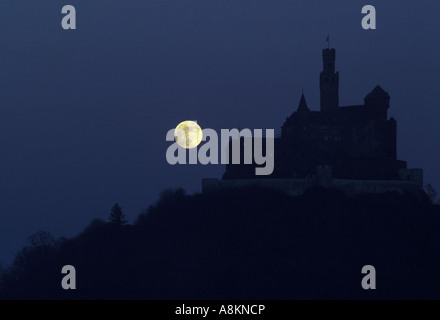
<point x="41" y="239"/>
<point x="117" y="216"/>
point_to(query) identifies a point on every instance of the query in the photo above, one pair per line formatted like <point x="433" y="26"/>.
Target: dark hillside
<point x="244" y="244"/>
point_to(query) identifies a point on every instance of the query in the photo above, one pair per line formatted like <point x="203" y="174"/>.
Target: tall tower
<point x="329" y="82"/>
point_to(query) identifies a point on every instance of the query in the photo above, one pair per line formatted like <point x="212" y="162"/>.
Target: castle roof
<point x="378" y="92"/>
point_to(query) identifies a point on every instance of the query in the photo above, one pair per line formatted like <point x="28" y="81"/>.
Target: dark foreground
<point x="244" y="244"/>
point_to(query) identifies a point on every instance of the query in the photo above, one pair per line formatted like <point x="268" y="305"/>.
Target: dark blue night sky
<point x="84" y="113"/>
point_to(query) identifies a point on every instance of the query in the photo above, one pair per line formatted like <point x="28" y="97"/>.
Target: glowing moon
<point x="188" y="134"/>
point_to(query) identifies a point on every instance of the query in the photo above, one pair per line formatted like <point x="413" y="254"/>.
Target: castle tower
<point x="329" y="82"/>
<point x="378" y="101"/>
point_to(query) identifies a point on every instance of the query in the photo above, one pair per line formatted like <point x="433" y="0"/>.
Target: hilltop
<point x="249" y="243"/>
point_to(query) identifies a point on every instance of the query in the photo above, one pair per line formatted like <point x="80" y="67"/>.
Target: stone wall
<point x="296" y="187"/>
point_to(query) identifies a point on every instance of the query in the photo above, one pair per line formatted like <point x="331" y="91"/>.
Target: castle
<point x="348" y="147"/>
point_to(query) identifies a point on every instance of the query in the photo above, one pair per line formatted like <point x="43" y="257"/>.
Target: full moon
<point x="188" y="134"/>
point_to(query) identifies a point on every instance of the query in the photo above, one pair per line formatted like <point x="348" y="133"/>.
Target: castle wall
<point x="375" y="186"/>
<point x="413" y="175"/>
<point x="295" y="187"/>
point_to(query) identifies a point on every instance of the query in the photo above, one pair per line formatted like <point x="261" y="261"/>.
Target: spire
<point x="303" y="104"/>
